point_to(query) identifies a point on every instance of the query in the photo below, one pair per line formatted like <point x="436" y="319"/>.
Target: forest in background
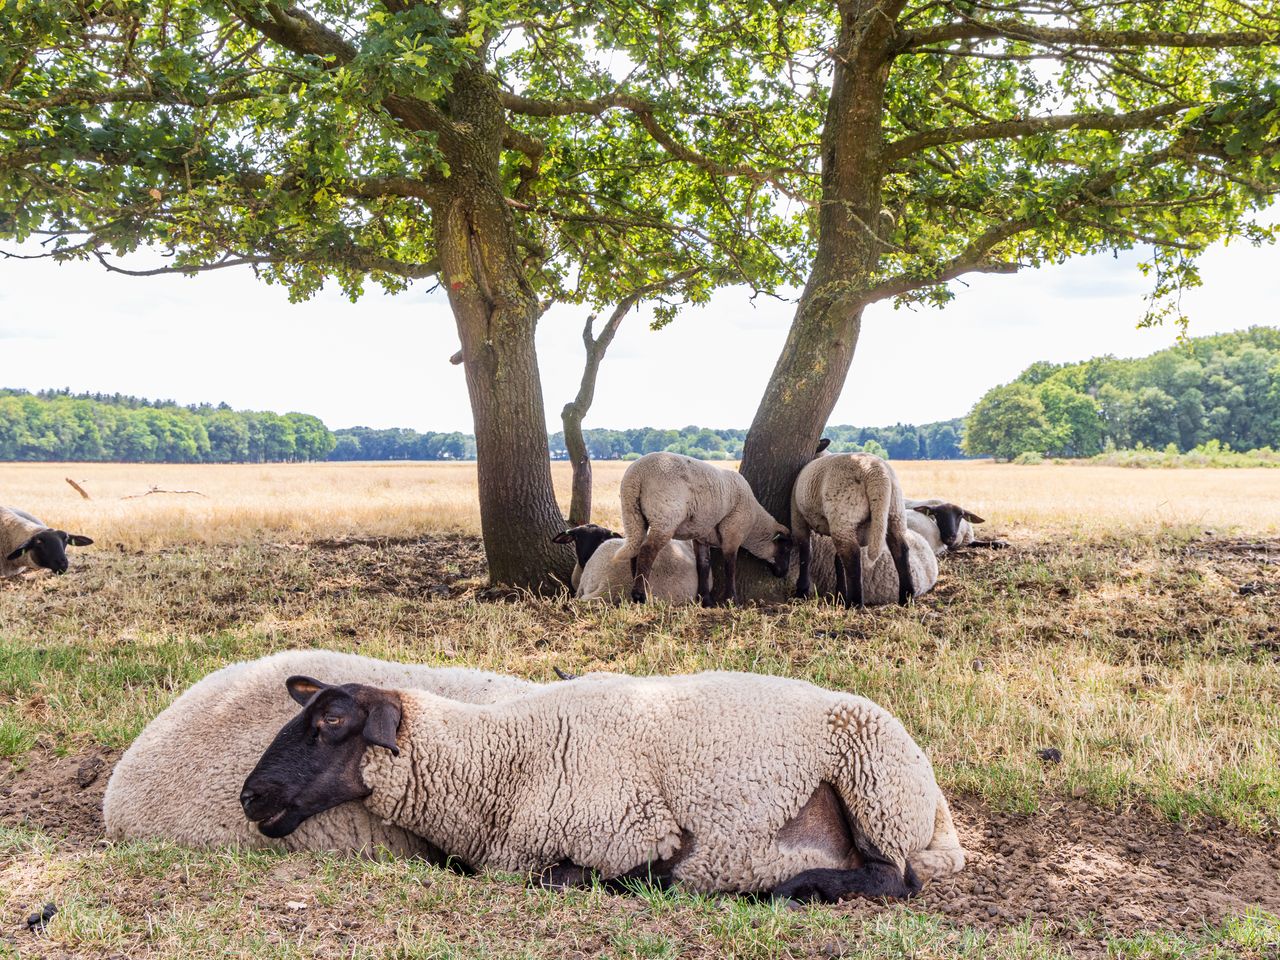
<point x="56" y="425"/>
<point x="1209" y="393"/>
<point x="1223" y="388"/>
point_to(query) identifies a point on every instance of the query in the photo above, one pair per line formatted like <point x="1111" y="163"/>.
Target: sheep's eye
<point x="332" y="721"/>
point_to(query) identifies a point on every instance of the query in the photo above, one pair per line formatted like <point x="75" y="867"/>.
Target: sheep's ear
<point x="384" y="720"/>
<point x="302" y="689"/>
<point x="925" y="509"/>
<point x="76" y="540"/>
<point x="823" y="444"/>
<point x="21" y="550"/>
<point x="565" y="537"/>
<point x="971" y="517"/>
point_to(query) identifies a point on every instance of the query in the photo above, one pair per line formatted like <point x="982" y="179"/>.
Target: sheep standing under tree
<point x="856" y="500"/>
<point x="668" y="496"/>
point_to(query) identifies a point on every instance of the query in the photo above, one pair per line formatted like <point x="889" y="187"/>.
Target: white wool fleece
<point x="674" y="577"/>
<point x="16" y="528"/>
<point x="181" y="779"/>
<point x="670" y="496"/>
<point x="612" y="772"/>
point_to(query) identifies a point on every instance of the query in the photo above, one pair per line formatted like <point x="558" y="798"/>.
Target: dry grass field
<point x="343" y="500"/>
<point x="1134" y="625"/>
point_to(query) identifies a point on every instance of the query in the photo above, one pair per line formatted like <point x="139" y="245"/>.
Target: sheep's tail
<point x="633" y="522"/>
<point x="944" y="855"/>
<point x="879" y="487"/>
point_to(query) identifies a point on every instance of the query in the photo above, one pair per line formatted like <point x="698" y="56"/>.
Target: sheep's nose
<point x="247" y="797"/>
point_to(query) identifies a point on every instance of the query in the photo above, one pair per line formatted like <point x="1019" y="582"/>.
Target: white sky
<point x="383" y="362"/>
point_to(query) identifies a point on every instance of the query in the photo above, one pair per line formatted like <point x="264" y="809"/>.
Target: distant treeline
<point x="55" y="425"/>
<point x="1224" y="388"/>
<point x="903" y="441"/>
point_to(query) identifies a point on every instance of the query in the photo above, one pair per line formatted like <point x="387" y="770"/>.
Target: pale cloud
<point x="226" y="336"/>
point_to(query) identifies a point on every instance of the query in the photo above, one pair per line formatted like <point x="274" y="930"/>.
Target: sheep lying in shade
<point x="181" y="779"/>
<point x="945" y="525"/>
<point x="674" y="577"/>
<point x="879" y="579"/>
<point x="613" y="776"/>
<point x="668" y="496"/>
<point x="28" y="544"/>
<point x="856" y="500"/>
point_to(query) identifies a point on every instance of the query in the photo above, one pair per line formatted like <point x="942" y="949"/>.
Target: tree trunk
<point x="497" y="313"/>
<point x="576" y="409"/>
<point x="576" y="446"/>
<point x="811" y="371"/>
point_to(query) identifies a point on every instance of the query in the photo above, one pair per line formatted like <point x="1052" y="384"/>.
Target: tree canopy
<point x="1223" y="389"/>
<point x="523" y="153"/>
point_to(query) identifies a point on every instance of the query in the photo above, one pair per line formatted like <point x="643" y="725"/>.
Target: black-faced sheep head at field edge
<point x="48" y="549"/>
<point x="948" y="517"/>
<point x="313" y="764"/>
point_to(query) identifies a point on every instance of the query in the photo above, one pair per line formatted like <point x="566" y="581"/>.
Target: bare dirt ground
<point x="1061" y="866"/>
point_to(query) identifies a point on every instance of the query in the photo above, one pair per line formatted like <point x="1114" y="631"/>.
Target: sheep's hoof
<point x="638" y="596"/>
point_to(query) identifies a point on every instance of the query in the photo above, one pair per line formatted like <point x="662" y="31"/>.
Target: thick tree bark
<point x="497" y="313"/>
<point x="811" y="371"/>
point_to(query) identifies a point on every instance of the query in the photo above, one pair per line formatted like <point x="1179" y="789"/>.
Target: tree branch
<point x="296" y="30"/>
<point x="1011" y="129"/>
<point x="643" y="111"/>
<point x="975" y="257"/>
<point x="972" y="29"/>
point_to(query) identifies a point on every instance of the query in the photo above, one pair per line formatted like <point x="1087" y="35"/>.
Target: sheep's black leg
<point x="902" y="560"/>
<point x="730" y="592"/>
<point x="840" y="577"/>
<point x="852" y="593"/>
<point x="702" y="557"/>
<point x="565" y="875"/>
<point x="804" y="553"/>
<point x="872" y="879"/>
<point x="647" y="874"/>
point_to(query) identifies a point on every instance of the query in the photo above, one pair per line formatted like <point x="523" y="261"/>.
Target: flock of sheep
<point x="676" y="508"/>
<point x="728" y="782"/>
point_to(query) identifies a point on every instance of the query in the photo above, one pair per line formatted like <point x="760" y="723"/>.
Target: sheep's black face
<point x="780" y="562"/>
<point x="586" y="539"/>
<point x="314" y="762"/>
<point x="950" y="520"/>
<point x="48" y="549"/>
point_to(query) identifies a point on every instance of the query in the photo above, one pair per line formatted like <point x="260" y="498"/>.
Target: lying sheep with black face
<point x="668" y="496"/>
<point x="674" y="577"/>
<point x="856" y="500"/>
<point x="613" y="776"/>
<point x="181" y="779"/>
<point x="28" y="544"/>
<point x="946" y="526"/>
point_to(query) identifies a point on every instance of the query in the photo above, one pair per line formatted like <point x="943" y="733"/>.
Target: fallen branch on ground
<point x="135" y="496"/>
